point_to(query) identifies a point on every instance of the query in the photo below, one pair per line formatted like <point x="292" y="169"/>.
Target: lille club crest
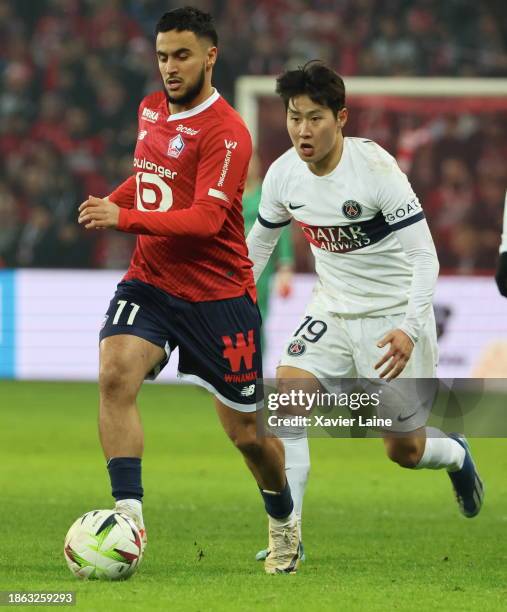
<point x="352" y="209"/>
<point x="176" y="146"/>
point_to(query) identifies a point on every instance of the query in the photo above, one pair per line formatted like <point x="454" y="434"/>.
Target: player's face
<point x="185" y="62"/>
<point x="314" y="130"/>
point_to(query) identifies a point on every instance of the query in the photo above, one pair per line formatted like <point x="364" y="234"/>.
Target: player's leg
<point x="131" y="342"/>
<point x="295" y="442"/>
<point x="408" y="400"/>
<point x="297" y="455"/>
<point x="219" y="346"/>
<point x="318" y="351"/>
<point x="264" y="455"/>
<point x="124" y="363"/>
<point x="430" y="448"/>
<point x="125" y="360"/>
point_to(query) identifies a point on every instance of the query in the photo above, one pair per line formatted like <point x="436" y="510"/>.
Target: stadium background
<point x="72" y="73"/>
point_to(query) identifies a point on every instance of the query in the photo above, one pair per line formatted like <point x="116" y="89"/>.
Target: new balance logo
<point x="230" y="144"/>
<point x="243" y="351"/>
<point x="248" y="391"/>
<point x="150" y="115"/>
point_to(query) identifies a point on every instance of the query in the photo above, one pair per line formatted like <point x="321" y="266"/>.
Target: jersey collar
<point x="197" y="109"/>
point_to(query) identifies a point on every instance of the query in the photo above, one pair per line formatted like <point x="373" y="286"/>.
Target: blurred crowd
<point x="73" y="72"/>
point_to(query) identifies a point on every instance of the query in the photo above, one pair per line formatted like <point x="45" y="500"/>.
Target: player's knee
<point x="247" y="441"/>
<point x="115" y="379"/>
<point x="405" y="453"/>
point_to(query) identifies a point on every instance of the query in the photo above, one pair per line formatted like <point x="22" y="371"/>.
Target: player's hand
<point x="396" y="358"/>
<point x="283" y="281"/>
<point x="501" y="274"/>
<point x="98" y="213"/>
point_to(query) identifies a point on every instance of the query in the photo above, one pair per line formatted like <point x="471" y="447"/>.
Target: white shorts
<point x="330" y="346"/>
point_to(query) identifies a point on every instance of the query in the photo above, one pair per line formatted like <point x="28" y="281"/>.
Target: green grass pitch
<point x="377" y="537"/>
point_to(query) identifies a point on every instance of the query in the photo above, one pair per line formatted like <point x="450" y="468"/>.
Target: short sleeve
<point x="225" y="153"/>
<point x="397" y="200"/>
<point x="272" y="212"/>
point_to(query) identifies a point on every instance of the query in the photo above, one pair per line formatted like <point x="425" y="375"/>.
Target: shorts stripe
<point x="197" y="380"/>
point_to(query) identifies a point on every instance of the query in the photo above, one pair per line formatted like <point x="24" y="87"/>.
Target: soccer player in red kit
<point x="189" y="284"/>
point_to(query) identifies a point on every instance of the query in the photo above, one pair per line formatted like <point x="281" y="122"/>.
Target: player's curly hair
<point x="189" y="19"/>
<point x="316" y="80"/>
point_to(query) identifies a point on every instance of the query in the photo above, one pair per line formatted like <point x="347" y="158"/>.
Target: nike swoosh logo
<point x="402" y="419"/>
<point x="295" y="207"/>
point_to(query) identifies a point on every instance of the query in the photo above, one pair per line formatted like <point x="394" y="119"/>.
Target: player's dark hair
<point x="189" y="19"/>
<point x="316" y="80"/>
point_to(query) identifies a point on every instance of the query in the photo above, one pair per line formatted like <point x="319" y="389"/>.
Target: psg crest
<point x="352" y="209"/>
<point x="296" y="348"/>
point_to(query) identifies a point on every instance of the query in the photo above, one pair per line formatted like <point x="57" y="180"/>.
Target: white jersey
<point x="349" y="217"/>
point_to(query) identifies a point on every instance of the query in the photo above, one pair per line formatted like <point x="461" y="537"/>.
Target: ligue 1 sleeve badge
<point x="296" y="348"/>
<point x="352" y="209"/>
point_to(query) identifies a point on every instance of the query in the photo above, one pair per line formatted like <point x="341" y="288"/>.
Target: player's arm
<point x="420" y="250"/>
<point x="224" y="157"/>
<point x="418" y="245"/>
<point x="261" y="242"/>
<point x="272" y="218"/>
<point x="405" y="216"/>
<point x="101" y="213"/>
<point x="284" y="264"/>
<point x="501" y="268"/>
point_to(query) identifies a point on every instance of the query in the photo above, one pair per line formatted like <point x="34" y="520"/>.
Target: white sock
<point x="297" y="468"/>
<point x="441" y="452"/>
<point x="134" y="507"/>
<point x="288" y="520"/>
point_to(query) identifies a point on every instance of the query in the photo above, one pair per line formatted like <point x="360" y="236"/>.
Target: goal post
<point x="249" y="89"/>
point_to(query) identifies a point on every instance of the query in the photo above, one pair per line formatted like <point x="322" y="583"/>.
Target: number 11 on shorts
<point x="119" y="310"/>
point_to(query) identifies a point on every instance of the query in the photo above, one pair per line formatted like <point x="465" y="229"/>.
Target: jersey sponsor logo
<point x="176" y="146"/>
<point x="345" y="238"/>
<point x="142" y="135"/>
<point x="225" y="168"/>
<point x="186" y="130"/>
<point x="404" y="211"/>
<point x="296" y="348"/>
<point x="336" y="239"/>
<point x="162" y="171"/>
<point x="243" y="351"/>
<point x="352" y="209"/>
<point x="248" y="391"/>
<point x="241" y="378"/>
<point x="149" y="115"/>
<point x="230" y="144"/>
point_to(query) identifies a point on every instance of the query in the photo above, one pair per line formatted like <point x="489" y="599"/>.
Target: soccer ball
<point x="103" y="544"/>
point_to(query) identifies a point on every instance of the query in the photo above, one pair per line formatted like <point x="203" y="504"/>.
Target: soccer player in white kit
<point x="371" y="314"/>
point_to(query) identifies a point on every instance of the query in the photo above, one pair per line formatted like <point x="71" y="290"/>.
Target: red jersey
<point x="184" y="200"/>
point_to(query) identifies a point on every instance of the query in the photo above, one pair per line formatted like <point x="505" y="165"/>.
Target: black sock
<point x="125" y="475"/>
<point x="278" y="505"/>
